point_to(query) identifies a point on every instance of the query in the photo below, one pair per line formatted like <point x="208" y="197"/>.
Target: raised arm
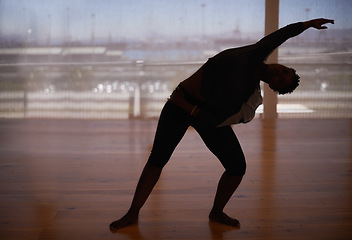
<point x="317" y="23"/>
<point x="278" y="37"/>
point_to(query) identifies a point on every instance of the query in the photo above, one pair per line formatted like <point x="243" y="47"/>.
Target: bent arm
<point x="200" y="115"/>
<point x="178" y="99"/>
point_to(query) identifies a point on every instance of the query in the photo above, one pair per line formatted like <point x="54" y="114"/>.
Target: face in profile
<point x="281" y="79"/>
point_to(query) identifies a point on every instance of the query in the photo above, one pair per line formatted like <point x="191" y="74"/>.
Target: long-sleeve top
<point x="228" y="77"/>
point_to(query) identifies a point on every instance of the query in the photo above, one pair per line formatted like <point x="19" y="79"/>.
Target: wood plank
<point x="68" y="179"/>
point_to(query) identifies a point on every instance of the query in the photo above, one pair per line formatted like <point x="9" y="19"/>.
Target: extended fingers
<point x="319" y="23"/>
<point x="325" y="21"/>
<point x="330" y="21"/>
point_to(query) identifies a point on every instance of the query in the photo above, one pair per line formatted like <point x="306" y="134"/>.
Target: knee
<point x="236" y="168"/>
<point x="157" y="160"/>
<point x="238" y="171"/>
<point x="156" y="164"/>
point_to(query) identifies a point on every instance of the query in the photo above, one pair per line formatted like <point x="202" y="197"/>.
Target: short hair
<point x="294" y="84"/>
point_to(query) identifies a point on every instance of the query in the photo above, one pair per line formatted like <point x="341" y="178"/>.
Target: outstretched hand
<point x="319" y="22"/>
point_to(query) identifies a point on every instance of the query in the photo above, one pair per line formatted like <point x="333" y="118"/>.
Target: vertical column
<point x="271" y="24"/>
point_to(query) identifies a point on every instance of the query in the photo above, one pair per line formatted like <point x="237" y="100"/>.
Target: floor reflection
<point x="219" y="231"/>
<point x="132" y="232"/>
<point x="268" y="172"/>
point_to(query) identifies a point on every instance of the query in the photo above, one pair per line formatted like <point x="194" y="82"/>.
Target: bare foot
<point x="126" y="220"/>
<point x="224" y="219"/>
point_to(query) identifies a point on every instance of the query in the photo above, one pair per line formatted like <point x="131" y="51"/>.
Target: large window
<point x="322" y="59"/>
<point x="121" y="59"/>
<point x="111" y="59"/>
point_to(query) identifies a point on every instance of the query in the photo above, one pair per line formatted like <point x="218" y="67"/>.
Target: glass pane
<point x="111" y="59"/>
<point x="321" y="58"/>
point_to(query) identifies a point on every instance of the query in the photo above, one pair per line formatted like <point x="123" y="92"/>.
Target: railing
<point x="136" y="89"/>
<point x="125" y="105"/>
<point x="69" y="104"/>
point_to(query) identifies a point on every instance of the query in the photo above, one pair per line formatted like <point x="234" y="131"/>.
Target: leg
<point x="224" y="144"/>
<point x="226" y="187"/>
<point x="146" y="183"/>
<point x="172" y="126"/>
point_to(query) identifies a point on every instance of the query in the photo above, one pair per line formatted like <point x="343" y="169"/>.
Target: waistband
<point x="189" y="98"/>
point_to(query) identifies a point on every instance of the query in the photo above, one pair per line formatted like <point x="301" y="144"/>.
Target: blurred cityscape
<point x="130" y="79"/>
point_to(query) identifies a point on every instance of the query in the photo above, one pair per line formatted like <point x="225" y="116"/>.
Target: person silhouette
<point x="223" y="91"/>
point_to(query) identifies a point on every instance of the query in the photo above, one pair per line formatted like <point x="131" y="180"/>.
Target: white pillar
<point x="137" y="101"/>
<point x="271" y="24"/>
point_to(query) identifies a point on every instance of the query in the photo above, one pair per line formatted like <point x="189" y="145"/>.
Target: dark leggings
<point x="222" y="142"/>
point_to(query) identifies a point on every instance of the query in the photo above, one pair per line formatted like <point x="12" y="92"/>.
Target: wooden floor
<point x="68" y="179"/>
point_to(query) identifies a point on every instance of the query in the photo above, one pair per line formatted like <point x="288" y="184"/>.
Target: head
<point x="280" y="78"/>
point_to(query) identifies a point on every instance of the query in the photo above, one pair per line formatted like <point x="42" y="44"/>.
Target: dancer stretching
<point x="224" y="91"/>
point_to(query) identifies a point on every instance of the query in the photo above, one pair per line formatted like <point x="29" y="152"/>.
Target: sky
<point x="143" y="19"/>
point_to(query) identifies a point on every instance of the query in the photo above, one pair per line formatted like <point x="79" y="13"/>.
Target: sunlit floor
<point x="68" y="179"/>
